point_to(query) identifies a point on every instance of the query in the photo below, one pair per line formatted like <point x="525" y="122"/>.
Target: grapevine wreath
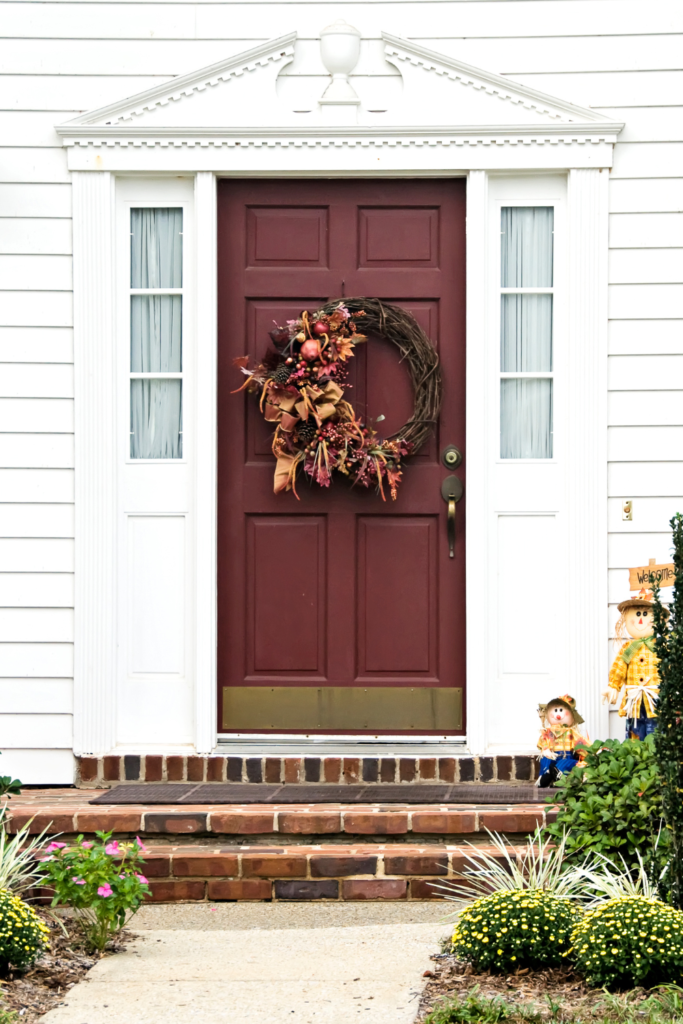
<point x="300" y="383"/>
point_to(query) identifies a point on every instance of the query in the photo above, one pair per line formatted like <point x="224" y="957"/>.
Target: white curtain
<point x="526" y="333"/>
<point x="526" y="257"/>
<point x="526" y="418"/>
<point x="156" y="248"/>
<point x="156" y="334"/>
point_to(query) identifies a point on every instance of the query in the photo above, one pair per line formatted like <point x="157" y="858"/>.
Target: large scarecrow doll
<point x="561" y="741"/>
<point x="634" y="679"/>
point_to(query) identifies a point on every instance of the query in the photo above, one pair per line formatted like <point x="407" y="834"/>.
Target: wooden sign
<point x="644" y="576"/>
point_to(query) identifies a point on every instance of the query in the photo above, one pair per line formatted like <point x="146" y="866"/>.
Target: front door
<point x="339" y="612"/>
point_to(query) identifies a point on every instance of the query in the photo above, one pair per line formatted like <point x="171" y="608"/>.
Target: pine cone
<point x="306" y="431"/>
<point x="281" y="373"/>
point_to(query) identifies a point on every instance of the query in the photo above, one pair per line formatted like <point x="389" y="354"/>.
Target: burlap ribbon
<point x="321" y="403"/>
<point x="287" y="410"/>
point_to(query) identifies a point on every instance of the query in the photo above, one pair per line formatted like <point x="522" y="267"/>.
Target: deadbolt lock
<point x="451" y="457"/>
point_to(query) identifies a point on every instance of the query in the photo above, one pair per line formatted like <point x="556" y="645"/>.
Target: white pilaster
<point x="586" y="499"/>
<point x="478" y="517"/>
<point x="205" y="464"/>
<point x="94" y="358"/>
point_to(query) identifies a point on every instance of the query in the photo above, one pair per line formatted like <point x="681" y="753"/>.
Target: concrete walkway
<point x="264" y="963"/>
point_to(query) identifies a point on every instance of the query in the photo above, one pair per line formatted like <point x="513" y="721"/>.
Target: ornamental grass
<point x="629" y="940"/>
<point x="515" y="928"/>
<point x="22" y="933"/>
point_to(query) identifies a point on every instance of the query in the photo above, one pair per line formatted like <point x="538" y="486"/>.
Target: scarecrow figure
<point x="633" y="678"/>
<point x="560" y="739"/>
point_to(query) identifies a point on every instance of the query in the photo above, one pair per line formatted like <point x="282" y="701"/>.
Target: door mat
<point x="258" y="793"/>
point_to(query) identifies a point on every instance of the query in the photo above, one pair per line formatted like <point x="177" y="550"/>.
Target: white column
<point x="205" y="464"/>
<point x="586" y="502"/>
<point x="95" y="408"/>
<point x="479" y="645"/>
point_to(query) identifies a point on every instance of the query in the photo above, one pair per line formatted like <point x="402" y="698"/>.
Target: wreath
<point x="300" y="386"/>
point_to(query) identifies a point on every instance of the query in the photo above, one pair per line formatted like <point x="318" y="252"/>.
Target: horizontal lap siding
<point x="36" y="435"/>
<point x="60" y="59"/>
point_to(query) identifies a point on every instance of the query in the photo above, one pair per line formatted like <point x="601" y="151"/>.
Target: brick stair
<point x="301" y="872"/>
<point x="289" y="852"/>
<point x="69" y="811"/>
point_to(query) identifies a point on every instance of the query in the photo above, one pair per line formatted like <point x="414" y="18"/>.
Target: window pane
<point x="526" y="419"/>
<point x="526" y="251"/>
<point x="156" y="419"/>
<point x="526" y="333"/>
<point x="156" y="333"/>
<point x="156" y="248"/>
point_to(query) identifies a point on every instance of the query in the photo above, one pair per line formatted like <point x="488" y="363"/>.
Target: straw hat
<point x="645" y="598"/>
<point x="566" y="702"/>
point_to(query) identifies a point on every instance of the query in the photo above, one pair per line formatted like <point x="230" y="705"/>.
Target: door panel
<point x="340" y="612"/>
<point x="397" y="597"/>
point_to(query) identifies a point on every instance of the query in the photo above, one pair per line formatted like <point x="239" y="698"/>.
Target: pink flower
<point x="78" y="881"/>
<point x="105" y="890"/>
<point x="141" y="878"/>
<point x="54" y="846"/>
<point x="141" y="846"/>
<point x="112" y="848"/>
<point x="87" y="846"/>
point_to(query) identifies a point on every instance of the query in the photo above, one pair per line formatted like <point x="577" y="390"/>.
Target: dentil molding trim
<point x="326" y="138"/>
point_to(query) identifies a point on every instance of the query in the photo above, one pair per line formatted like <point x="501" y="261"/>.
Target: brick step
<point x="68" y="811"/>
<point x="197" y="872"/>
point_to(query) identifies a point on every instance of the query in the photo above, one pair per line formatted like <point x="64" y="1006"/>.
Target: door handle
<point x="451" y="492"/>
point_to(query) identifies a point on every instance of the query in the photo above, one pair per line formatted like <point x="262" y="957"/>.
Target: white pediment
<point x="277" y="86"/>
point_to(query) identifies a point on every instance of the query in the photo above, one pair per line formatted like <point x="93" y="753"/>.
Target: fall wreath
<point x="300" y="383"/>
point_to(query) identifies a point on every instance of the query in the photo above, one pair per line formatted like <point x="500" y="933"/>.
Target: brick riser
<point x="103" y="772"/>
<point x="196" y="873"/>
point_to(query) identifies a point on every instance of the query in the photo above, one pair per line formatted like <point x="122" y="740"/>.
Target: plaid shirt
<point x="634" y="679"/>
<point x="561" y="739"/>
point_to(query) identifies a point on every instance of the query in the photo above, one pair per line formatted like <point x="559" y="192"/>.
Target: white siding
<point x="61" y="58"/>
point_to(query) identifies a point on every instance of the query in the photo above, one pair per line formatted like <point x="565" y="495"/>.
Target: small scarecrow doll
<point x="560" y="739"/>
<point x="633" y="678"/>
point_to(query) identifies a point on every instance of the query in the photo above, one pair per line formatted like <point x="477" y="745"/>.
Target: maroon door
<point x="339" y="612"/>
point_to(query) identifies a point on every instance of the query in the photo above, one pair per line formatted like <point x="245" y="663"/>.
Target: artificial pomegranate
<point x="310" y="350"/>
<point x="319" y="328"/>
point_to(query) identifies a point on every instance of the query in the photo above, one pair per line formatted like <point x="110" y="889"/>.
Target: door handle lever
<point x="451" y="525"/>
<point x="451" y="492"/>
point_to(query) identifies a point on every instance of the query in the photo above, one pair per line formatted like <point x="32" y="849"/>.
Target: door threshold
<point x="331" y="746"/>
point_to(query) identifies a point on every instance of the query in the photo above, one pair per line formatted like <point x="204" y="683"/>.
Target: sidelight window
<point x="156" y="333"/>
<point x="526" y="332"/>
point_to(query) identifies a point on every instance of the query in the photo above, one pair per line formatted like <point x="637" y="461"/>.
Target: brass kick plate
<point x="303" y="708"/>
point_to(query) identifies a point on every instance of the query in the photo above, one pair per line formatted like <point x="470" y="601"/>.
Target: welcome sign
<point x="643" y="576"/>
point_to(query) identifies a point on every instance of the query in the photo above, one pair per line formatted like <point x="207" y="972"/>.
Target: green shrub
<point x="630" y="940"/>
<point x="613" y="805"/>
<point x="22" y="933"/>
<point x="669" y="734"/>
<point x="511" y="929"/>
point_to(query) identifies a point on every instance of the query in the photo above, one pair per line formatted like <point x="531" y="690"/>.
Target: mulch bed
<point x="33" y="992"/>
<point x="537" y="990"/>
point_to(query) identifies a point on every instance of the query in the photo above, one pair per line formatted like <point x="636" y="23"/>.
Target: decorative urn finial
<point x="340" y="50"/>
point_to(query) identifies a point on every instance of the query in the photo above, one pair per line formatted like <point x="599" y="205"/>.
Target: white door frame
<point x="98" y="153"/>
